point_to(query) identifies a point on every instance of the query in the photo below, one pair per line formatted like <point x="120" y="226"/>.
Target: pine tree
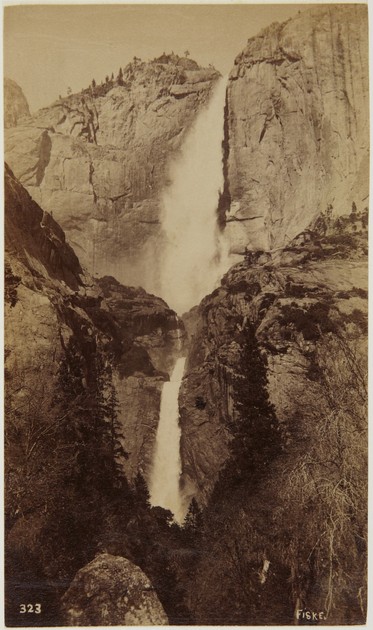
<point x="193" y="523"/>
<point x="142" y="496"/>
<point x="120" y="77"/>
<point x="193" y="519"/>
<point x="255" y="436"/>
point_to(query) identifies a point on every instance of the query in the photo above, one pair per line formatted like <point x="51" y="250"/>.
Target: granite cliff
<point x="99" y="159"/>
<point x="52" y="306"/>
<point x="273" y="409"/>
<point x="297" y="126"/>
<point x="85" y="362"/>
<point x="16" y="107"/>
<point x="293" y="298"/>
<point x="296" y="157"/>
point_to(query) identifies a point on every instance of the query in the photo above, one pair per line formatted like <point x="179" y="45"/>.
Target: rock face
<point x="152" y="336"/>
<point x="50" y="303"/>
<point x="111" y="590"/>
<point x="16" y="107"/>
<point x="98" y="160"/>
<point x="297" y="120"/>
<point x="294" y="298"/>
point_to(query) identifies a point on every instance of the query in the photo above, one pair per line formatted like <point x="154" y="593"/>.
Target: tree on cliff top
<point x="120" y="77"/>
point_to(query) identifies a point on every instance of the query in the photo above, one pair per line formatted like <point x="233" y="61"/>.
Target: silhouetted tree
<point x="255" y="434"/>
<point x="141" y="491"/>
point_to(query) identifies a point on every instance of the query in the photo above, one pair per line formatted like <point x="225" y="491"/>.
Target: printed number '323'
<point x="30" y="608"/>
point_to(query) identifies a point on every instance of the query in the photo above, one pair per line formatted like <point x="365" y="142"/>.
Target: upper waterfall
<point x="195" y="256"/>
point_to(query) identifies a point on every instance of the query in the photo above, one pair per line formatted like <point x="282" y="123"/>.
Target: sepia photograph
<point x="186" y="194"/>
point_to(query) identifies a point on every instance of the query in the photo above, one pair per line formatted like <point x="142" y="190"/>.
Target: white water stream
<point x="164" y="485"/>
<point x="195" y="256"/>
<point x="193" y="262"/>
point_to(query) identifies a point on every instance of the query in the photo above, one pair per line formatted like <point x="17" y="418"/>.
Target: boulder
<point x="111" y="591"/>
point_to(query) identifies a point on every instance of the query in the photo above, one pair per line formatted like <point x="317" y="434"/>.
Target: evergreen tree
<point x="142" y="496"/>
<point x="193" y="524"/>
<point x="255" y="439"/>
<point x="92" y="480"/>
<point x="120" y="77"/>
<point x="193" y="519"/>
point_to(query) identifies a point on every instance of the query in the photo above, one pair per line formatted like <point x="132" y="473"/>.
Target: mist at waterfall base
<point x="195" y="256"/>
<point x="164" y="484"/>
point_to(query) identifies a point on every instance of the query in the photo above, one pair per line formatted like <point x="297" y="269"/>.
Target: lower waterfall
<point x="164" y="484"/>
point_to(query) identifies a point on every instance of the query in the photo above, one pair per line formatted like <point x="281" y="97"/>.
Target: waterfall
<point x="195" y="258"/>
<point x="164" y="482"/>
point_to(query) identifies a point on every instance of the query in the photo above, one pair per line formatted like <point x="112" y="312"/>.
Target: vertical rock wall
<point x="297" y="126"/>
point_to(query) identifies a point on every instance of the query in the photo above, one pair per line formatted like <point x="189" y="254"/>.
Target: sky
<point x="48" y="48"/>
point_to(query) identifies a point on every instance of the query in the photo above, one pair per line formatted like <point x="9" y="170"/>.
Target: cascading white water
<point x="164" y="484"/>
<point x="195" y="257"/>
